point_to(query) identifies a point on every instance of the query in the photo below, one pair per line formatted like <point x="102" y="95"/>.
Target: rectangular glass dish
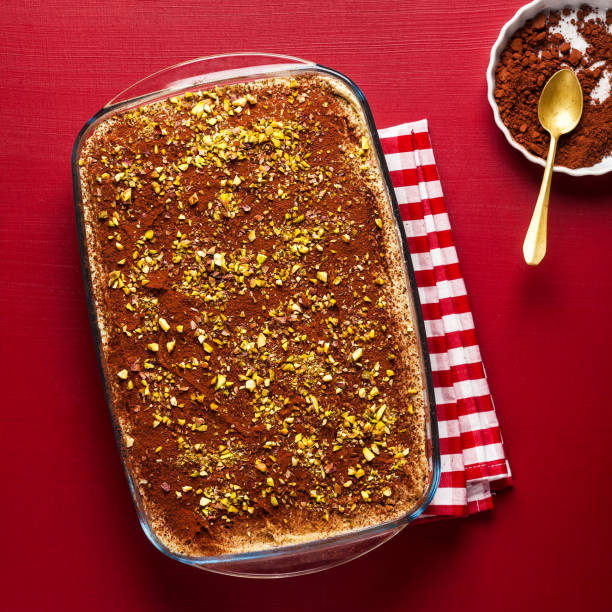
<point x="238" y="227"/>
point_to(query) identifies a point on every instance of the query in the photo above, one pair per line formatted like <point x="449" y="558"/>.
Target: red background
<point x="70" y="537"/>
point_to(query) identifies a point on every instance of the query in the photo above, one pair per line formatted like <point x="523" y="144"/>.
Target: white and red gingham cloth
<point x="471" y="451"/>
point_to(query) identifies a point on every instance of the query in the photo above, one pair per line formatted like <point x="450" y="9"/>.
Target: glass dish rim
<point x="431" y="422"/>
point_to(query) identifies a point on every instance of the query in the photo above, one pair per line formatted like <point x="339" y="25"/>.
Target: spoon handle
<point x="534" y="247"/>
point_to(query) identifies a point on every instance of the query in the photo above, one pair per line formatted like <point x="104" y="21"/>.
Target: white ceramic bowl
<point x="518" y="21"/>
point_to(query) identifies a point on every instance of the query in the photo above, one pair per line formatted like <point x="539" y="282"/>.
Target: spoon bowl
<point x="560" y="105"/>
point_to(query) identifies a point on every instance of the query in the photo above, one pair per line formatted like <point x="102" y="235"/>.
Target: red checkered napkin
<point x="471" y="450"/>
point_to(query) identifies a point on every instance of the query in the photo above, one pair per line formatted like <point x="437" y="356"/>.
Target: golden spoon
<point x="559" y="111"/>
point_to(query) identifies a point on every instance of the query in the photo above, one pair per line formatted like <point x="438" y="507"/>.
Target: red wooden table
<point x="71" y="541"/>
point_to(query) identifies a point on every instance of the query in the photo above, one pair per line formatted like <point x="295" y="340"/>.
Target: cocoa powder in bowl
<point x="580" y="40"/>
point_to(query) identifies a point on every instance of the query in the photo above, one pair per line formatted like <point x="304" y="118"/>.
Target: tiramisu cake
<point x="254" y="315"/>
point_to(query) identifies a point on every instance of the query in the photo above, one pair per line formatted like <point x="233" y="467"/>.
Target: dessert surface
<point x="254" y="315"/>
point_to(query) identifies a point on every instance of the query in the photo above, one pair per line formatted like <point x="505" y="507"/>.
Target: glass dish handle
<point x="202" y="70"/>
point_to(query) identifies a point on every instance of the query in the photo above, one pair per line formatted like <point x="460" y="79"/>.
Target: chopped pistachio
<point x="198" y="109"/>
<point x="368" y="454"/>
<point x="221" y="380"/>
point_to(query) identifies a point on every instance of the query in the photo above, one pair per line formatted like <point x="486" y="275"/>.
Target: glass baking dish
<point x="322" y="553"/>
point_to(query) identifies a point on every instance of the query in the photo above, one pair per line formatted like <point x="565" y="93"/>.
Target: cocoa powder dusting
<point x="533" y="55"/>
<point x="265" y="384"/>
